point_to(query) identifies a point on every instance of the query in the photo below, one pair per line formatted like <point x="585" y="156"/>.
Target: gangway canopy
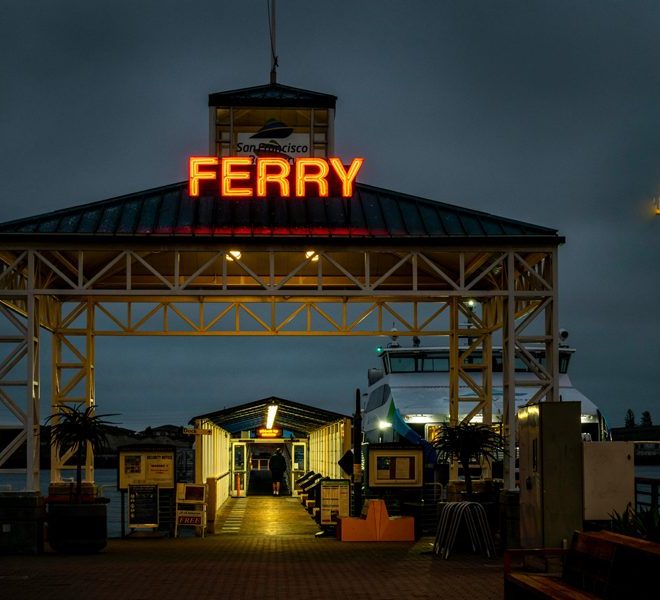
<point x="299" y="419"/>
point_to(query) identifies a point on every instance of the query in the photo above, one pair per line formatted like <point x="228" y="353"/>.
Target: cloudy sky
<point x="545" y="112"/>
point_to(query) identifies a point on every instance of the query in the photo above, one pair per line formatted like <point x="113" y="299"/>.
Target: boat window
<point x="474" y="358"/>
<point x="378" y="397"/>
<point x="402" y="364"/>
<point x="438" y="362"/>
<point x="419" y="363"/>
<point x="374" y="398"/>
<point x="521" y="366"/>
<point x="434" y="363"/>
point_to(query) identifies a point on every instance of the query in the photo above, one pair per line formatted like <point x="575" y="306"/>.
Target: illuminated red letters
<point x="195" y="175"/>
<point x="241" y="177"/>
<point x="267" y="174"/>
<point x="312" y="170"/>
<point x="230" y="174"/>
<point x="347" y="178"/>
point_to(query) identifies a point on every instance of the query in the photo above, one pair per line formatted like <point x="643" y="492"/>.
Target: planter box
<point x="77" y="528"/>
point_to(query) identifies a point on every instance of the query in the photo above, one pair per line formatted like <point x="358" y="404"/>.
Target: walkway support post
<point x="508" y="382"/>
<point x="357" y="454"/>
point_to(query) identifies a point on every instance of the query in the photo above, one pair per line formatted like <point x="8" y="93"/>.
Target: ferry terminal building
<point x="179" y="260"/>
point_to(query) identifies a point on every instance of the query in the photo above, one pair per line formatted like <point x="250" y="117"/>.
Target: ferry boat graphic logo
<point x="273" y="129"/>
<point x="274" y="139"/>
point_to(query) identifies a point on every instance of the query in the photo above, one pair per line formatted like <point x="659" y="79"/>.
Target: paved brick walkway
<point x="270" y="551"/>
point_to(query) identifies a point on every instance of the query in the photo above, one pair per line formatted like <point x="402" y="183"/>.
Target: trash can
<point x="22" y="517"/>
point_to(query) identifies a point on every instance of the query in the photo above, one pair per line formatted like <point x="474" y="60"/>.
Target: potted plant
<point x="77" y="523"/>
<point x="466" y="442"/>
<point x="643" y="524"/>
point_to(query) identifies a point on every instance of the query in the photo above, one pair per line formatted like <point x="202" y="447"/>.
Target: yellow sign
<point x="264" y="432"/>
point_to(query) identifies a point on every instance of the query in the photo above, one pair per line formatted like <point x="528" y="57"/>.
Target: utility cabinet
<point x="551" y="506"/>
<point x="609" y="479"/>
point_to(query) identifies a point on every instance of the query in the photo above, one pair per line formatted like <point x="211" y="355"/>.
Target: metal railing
<point x="259" y="464"/>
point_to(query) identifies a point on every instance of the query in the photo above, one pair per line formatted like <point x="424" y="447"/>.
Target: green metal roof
<point x="372" y="213"/>
<point x="274" y="94"/>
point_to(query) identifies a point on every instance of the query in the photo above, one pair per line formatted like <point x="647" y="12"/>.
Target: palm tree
<point x="466" y="442"/>
<point x="74" y="428"/>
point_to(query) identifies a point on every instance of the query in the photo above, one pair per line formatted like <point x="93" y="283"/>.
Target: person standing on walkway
<point x="277" y="466"/>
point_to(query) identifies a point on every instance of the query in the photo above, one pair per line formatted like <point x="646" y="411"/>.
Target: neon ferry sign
<point x="244" y="177"/>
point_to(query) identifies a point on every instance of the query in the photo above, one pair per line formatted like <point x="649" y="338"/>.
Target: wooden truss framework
<point x="468" y="294"/>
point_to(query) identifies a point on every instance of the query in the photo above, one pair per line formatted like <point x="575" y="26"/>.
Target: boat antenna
<point x="272" y="32"/>
<point x="394" y="335"/>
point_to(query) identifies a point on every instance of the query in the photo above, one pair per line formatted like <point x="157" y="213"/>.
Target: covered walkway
<point x="271" y="553"/>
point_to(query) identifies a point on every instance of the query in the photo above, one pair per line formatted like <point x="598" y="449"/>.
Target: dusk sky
<point x="545" y="112"/>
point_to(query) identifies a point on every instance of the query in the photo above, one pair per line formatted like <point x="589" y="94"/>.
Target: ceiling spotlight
<point x="233" y="255"/>
<point x="270" y="417"/>
<point x="312" y="254"/>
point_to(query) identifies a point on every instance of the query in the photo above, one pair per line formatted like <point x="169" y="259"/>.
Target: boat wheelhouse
<point x="411" y="391"/>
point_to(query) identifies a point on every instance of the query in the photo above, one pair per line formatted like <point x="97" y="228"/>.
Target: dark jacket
<point x="277" y="463"/>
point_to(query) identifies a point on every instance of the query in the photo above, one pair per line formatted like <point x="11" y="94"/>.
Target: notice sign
<point x="142" y="506"/>
<point x="395" y="467"/>
<point x="273" y="432"/>
<point x="335" y="500"/>
<point x="190" y="517"/>
<point x="137" y="467"/>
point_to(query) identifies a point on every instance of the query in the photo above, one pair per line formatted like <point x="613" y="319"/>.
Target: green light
<point x="379" y="349"/>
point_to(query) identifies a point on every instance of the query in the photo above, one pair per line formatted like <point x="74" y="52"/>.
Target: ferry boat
<point x="408" y="396"/>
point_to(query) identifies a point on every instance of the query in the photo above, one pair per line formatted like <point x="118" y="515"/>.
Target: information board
<point x="137" y="467"/>
<point x="185" y="465"/>
<point x="335" y="500"/>
<point x="395" y="467"/>
<point x="142" y="506"/>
